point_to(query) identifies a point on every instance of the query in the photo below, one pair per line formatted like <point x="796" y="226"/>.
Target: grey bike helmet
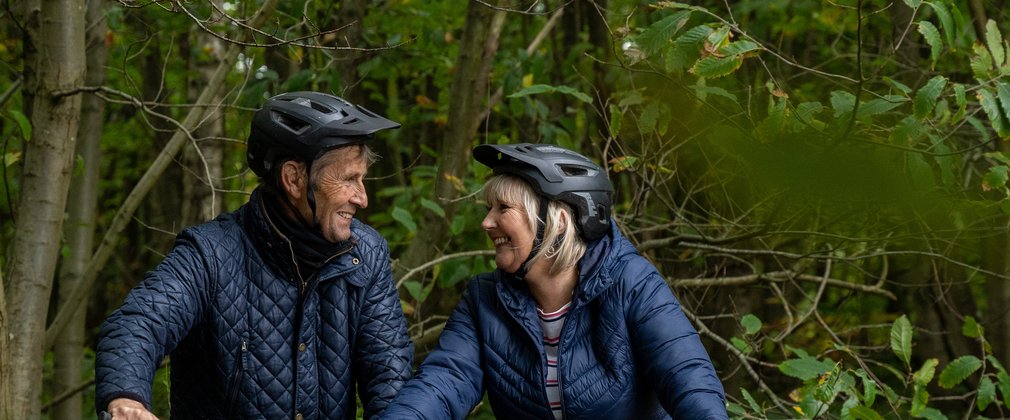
<point x="557" y="174"/>
<point x="305" y="125"/>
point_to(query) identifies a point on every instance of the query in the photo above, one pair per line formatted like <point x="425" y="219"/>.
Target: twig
<point x="440" y="260"/>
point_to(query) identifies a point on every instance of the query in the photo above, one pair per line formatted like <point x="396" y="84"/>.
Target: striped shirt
<point x="551" y="324"/>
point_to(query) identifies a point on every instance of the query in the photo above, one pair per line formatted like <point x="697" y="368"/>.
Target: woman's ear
<point x="293" y="179"/>
<point x="563" y="221"/>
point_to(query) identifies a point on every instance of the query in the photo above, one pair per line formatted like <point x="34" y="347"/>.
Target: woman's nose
<point x="488" y="222"/>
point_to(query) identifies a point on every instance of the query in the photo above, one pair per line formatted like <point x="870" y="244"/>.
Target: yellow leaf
<point x="528" y="80"/>
<point x="798" y="410"/>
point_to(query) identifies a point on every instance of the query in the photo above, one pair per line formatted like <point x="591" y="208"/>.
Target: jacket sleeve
<point x="450" y="381"/>
<point x="383" y="352"/>
<point x="671" y="353"/>
<point x="156" y="315"/>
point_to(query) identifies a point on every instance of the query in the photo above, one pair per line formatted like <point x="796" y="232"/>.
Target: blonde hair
<point x="563" y="247"/>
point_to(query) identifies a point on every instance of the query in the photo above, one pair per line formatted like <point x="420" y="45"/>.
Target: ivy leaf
<point x="932" y="36"/>
<point x="901" y="339"/>
<point x="925" y="374"/>
<point x="805" y="368"/>
<point x="660" y="34"/>
<point x="714" y="67"/>
<point x="925" y="98"/>
<point x="751" y="324"/>
<point x="994" y="40"/>
<point x="433" y="206"/>
<point x="991" y="108"/>
<point x="971" y="329"/>
<point x="996" y="178"/>
<point x="946" y="21"/>
<point x="958" y="370"/>
<point x="986" y="392"/>
<point x="405" y="219"/>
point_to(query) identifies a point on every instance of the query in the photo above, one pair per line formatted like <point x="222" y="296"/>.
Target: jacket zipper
<point x="235" y="376"/>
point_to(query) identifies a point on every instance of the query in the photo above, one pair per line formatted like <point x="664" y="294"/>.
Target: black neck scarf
<point x="311" y="249"/>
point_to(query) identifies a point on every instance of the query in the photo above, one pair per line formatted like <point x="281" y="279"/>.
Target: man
<point x="281" y="309"/>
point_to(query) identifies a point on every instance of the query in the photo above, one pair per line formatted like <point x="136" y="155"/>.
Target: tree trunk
<point x="48" y="158"/>
<point x="469" y="84"/>
<point x="125" y="212"/>
<point x="345" y="62"/>
<point x="80" y="229"/>
<point x="204" y="159"/>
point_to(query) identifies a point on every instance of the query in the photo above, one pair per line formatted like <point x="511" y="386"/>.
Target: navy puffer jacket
<point x="626" y="352"/>
<point x="245" y="341"/>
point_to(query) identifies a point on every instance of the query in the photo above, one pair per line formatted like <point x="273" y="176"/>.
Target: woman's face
<point x="509" y="229"/>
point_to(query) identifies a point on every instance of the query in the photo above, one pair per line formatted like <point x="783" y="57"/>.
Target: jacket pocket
<point x="235" y="379"/>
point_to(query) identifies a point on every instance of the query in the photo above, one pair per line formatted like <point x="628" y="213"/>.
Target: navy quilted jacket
<point x="626" y="352"/>
<point x="246" y="342"/>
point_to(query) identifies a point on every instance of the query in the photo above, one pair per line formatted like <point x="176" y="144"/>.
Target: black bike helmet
<point x="305" y="125"/>
<point x="557" y="174"/>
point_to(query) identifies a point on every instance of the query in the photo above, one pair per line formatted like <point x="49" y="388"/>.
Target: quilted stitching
<point x="491" y="340"/>
<point x="213" y="293"/>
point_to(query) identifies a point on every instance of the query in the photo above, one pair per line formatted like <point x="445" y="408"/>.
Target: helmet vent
<point x="350" y="121"/>
<point x="569" y="170"/>
<point x="292" y="124"/>
<point x="320" y="107"/>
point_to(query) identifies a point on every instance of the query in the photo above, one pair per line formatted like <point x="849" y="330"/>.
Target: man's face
<point x="337" y="180"/>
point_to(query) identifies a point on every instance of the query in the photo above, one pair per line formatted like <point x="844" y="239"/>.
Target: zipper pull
<point x="244" y="347"/>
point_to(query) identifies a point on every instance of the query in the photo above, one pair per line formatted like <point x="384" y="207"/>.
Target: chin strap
<point x="310" y="197"/>
<point x="538" y="240"/>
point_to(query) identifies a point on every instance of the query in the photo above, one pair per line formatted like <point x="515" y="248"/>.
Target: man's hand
<point x="127" y="409"/>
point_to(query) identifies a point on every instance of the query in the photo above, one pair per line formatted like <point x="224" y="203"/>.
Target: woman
<point x="573" y="323"/>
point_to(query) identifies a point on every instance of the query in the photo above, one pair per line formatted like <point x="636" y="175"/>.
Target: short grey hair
<point x="563" y="248"/>
<point x="330" y="157"/>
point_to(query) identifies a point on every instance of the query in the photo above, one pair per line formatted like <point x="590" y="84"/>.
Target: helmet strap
<point x="538" y="240"/>
<point x="310" y="196"/>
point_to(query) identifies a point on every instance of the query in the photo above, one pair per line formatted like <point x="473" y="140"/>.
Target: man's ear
<point x="293" y="179"/>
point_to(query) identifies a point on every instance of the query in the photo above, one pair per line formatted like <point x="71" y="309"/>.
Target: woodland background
<point x="823" y="183"/>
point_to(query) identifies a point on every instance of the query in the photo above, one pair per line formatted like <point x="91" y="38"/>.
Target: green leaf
<point x="718" y="38"/>
<point x="23" y="122"/>
<point x="615" y="121"/>
<point x="861" y="412"/>
<point x="687" y="48"/>
<point x="913" y="3"/>
<point x="879" y="106"/>
<point x="988" y="101"/>
<point x="962" y="102"/>
<point x="751" y="324"/>
<point x="986" y="392"/>
<point x="925" y="98"/>
<point x="932" y="37"/>
<point x="901" y="339"/>
<point x="11" y="158"/>
<point x="946" y="21"/>
<point x="540" y="88"/>
<point x="739" y="48"/>
<point x="972" y="329"/>
<point x="958" y="370"/>
<point x="869" y="388"/>
<point x="932" y="414"/>
<point x="1004" y="387"/>
<point x="649" y="117"/>
<point x="405" y="219"/>
<point x="842" y="102"/>
<point x="433" y="206"/>
<point x="658" y="35"/>
<point x="741" y="345"/>
<point x="920" y="398"/>
<point x="898" y="85"/>
<point x="925" y="374"/>
<point x="458" y="224"/>
<point x="714" y="67"/>
<point x="996" y="178"/>
<point x="1003" y="94"/>
<point x="415" y="289"/>
<point x="805" y="368"/>
<point x="994" y="40"/>
<point x="981" y="63"/>
<point x="750" y="401"/>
